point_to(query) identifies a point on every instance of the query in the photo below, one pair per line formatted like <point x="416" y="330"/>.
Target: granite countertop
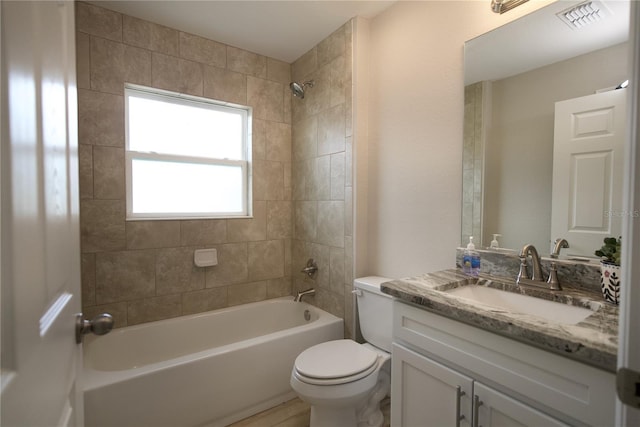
<point x="593" y="341"/>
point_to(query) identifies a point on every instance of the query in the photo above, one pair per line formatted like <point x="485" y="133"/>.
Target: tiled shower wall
<point x="141" y="271"/>
<point x="322" y="173"/>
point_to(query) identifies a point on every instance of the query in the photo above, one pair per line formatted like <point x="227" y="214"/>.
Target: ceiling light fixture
<point x="583" y="14"/>
<point x="501" y="6"/>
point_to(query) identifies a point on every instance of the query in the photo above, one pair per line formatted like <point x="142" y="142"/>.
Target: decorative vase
<point x="610" y="282"/>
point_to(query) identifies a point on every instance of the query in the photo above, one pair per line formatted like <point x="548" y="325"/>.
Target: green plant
<point x="611" y="250"/>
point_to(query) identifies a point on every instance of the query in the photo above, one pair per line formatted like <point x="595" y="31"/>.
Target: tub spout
<point x="299" y="296"/>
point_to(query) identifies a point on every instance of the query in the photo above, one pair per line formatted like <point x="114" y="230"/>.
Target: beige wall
<point x="143" y="271"/>
<point x="415" y="131"/>
<point x="322" y="174"/>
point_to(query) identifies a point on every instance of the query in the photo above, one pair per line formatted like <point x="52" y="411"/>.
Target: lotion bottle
<point x="471" y="259"/>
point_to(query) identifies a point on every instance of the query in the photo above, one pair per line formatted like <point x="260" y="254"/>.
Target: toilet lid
<point x="335" y="359"/>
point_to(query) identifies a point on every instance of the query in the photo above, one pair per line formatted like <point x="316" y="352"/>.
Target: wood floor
<point x="294" y="413"/>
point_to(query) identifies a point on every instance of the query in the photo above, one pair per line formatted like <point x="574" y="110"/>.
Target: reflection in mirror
<point x="514" y="75"/>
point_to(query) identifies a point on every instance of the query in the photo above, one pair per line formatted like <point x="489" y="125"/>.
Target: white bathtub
<point x="207" y="369"/>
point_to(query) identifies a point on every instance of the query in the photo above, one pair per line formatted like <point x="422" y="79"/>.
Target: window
<point x="186" y="157"/>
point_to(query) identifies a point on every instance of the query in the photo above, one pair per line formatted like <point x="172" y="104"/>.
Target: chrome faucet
<point x="537" y="278"/>
<point x="557" y="245"/>
<point x="299" y="296"/>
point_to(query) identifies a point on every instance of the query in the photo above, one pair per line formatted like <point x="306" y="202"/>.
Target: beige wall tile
<point x="266" y="98"/>
<point x="278" y="143"/>
<point x="176" y="272"/>
<point x="331" y="302"/>
<point x="232" y="266"/>
<point x="279" y="287"/>
<point x="107" y="66"/>
<point x="203" y="232"/>
<point x="245" y="293"/>
<point x="331" y="130"/>
<point x="204" y="300"/>
<point x="148" y="35"/>
<point x="248" y="229"/>
<point x="279" y="219"/>
<point x="349" y="313"/>
<point x="152" y="234"/>
<point x="305" y="139"/>
<point x="85" y="170"/>
<point x="108" y="173"/>
<point x="268" y="183"/>
<point x="337" y="79"/>
<point x="305" y="65"/>
<point x="337" y="176"/>
<point x="102" y="225"/>
<point x="88" y="273"/>
<point x="322" y="178"/>
<point x="278" y="71"/>
<point x="259" y="139"/>
<point x="225" y="85"/>
<point x="349" y="274"/>
<point x="348" y="211"/>
<point x="288" y="257"/>
<point x="305" y="220"/>
<point x="98" y="21"/>
<point x="246" y="62"/>
<point x="287" y="105"/>
<point x="331" y="47"/>
<point x="152" y="309"/>
<point x="117" y="310"/>
<point x="266" y="259"/>
<point x="100" y="118"/>
<point x="348" y="162"/>
<point x="331" y="223"/>
<point x="203" y="50"/>
<point x="175" y="74"/>
<point x="336" y="270"/>
<point x="137" y="66"/>
<point x="288" y="191"/>
<point x="83" y="64"/>
<point x="124" y="276"/>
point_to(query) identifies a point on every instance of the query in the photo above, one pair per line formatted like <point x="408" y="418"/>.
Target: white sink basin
<point x="548" y="310"/>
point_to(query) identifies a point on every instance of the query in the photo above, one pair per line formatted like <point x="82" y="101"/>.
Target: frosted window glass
<point x="176" y="187"/>
<point x="186" y="129"/>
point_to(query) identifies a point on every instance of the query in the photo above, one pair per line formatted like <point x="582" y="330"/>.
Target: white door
<point x="40" y="232"/>
<point x="588" y="159"/>
<point x="629" y="335"/>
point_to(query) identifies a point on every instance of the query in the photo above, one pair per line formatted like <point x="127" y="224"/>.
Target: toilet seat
<point x="335" y="362"/>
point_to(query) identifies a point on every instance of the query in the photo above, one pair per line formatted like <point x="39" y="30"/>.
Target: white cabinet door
<point x="495" y="409"/>
<point x="40" y="232"/>
<point x="426" y="393"/>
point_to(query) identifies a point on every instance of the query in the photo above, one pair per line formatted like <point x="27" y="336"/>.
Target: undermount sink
<point x="514" y="302"/>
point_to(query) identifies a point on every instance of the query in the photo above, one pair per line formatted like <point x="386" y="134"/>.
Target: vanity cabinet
<point x="446" y="372"/>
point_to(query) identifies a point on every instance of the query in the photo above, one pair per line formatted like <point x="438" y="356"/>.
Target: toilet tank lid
<point x="370" y="283"/>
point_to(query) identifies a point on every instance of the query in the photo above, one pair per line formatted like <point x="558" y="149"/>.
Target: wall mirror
<point x="514" y="75"/>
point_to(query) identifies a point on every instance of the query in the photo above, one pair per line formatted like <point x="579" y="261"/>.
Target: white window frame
<point x="182" y="99"/>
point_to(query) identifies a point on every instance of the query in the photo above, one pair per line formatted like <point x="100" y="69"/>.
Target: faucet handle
<point x="552" y="281"/>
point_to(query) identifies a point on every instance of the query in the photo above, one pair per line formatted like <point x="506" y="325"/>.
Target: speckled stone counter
<point x="593" y="341"/>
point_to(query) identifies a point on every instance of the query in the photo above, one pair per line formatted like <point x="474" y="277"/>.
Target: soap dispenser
<point x="494" y="243"/>
<point x="471" y="259"/>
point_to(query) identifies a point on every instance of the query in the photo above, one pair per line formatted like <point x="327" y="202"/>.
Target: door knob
<point x="99" y="325"/>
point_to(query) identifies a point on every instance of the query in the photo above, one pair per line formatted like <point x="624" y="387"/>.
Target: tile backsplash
<point x="505" y="263"/>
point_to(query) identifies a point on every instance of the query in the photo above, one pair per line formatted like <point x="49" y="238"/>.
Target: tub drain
<point x="307" y="315"/>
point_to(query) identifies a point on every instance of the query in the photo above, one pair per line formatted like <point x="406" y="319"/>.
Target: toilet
<point x="345" y="381"/>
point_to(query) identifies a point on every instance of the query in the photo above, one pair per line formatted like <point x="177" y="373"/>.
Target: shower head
<point x="298" y="89"/>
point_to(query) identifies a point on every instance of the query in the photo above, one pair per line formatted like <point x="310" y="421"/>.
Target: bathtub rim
<point x="94" y="378"/>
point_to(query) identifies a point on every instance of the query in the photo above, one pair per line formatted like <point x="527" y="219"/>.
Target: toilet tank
<point x="374" y="311"/>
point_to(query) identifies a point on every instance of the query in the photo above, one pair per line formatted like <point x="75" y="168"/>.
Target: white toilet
<point x="345" y="381"/>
